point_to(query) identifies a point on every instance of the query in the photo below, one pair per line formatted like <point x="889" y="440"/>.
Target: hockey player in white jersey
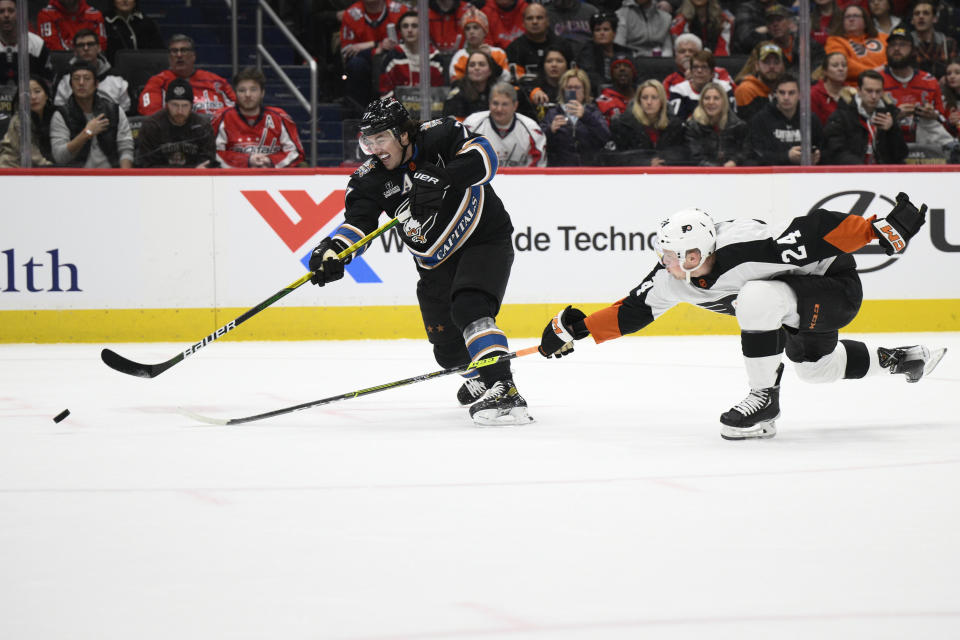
<point x="789" y="292"/>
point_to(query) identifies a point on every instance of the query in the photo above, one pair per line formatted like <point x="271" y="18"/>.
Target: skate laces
<point x="757" y="400"/>
<point x="475" y="386"/>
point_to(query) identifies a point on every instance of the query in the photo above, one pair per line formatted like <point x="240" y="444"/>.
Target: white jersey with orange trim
<point x="814" y="245"/>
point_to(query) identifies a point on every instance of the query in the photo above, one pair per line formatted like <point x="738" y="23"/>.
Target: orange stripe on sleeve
<point x="851" y="234"/>
<point x="604" y="325"/>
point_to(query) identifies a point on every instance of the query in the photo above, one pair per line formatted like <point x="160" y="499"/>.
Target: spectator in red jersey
<point x="364" y="34"/>
<point x="402" y="63"/>
<point x="684" y="47"/>
<point x="832" y="77"/>
<point x="857" y="38"/>
<point x="646" y="133"/>
<point x="210" y="92"/>
<point x="864" y="128"/>
<point x="612" y="101"/>
<point x="475" y="26"/>
<point x="685" y="96"/>
<point x="708" y="21"/>
<point x="253" y="135"/>
<point x="60" y="20"/>
<point x="823" y="13"/>
<point x="445" y="16"/>
<point x="595" y="56"/>
<point x="176" y="136"/>
<point x="506" y="20"/>
<point x="9" y="37"/>
<point x="915" y="92"/>
<point x="933" y="48"/>
<point x="128" y="28"/>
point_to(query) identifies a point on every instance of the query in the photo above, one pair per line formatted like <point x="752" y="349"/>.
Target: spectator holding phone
<point x="576" y="130"/>
<point x="864" y="128"/>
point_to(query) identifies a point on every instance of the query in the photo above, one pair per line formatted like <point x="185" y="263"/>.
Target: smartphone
<point x="392" y="32"/>
<point x="569" y="94"/>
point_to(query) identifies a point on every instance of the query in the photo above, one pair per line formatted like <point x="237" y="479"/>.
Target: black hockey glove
<point x="429" y="184"/>
<point x="325" y="264"/>
<point x="901" y="224"/>
<point x="559" y="334"/>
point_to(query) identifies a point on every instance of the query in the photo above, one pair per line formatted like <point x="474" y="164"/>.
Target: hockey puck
<point x="60" y="416"/>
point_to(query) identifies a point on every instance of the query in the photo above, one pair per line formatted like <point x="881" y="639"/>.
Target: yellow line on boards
<point x="391" y="322"/>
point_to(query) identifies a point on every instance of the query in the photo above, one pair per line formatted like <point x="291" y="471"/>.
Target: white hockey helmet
<point x="684" y="231"/>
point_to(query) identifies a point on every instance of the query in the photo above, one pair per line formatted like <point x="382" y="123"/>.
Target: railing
<point x="311" y="105"/>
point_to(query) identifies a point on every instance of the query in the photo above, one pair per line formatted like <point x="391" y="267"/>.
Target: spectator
<point x="915" y="92"/>
<point x="644" y="28"/>
<point x="86" y="47"/>
<point x="506" y="20"/>
<point x="253" y="135"/>
<point x="612" y="101"/>
<point x="825" y="94"/>
<point x="363" y="34"/>
<point x="883" y="18"/>
<point x="210" y="92"/>
<point x="445" y="17"/>
<point x="472" y="93"/>
<point x="9" y="36"/>
<point x="950" y="86"/>
<point x="750" y="25"/>
<point x="475" y="26"/>
<point x="90" y="131"/>
<point x="576" y="130"/>
<point x="401" y="66"/>
<point x="864" y="128"/>
<point x="948" y="18"/>
<point x="684" y="46"/>
<point x="646" y="133"/>
<point x="758" y="77"/>
<point x="41" y="112"/>
<point x="933" y="48"/>
<point x="685" y="96"/>
<point x="128" y="28"/>
<point x="715" y="136"/>
<point x="176" y="136"/>
<point x="773" y="136"/>
<point x="823" y="14"/>
<point x="857" y="39"/>
<point x="571" y="20"/>
<point x="708" y="21"/>
<point x="60" y="20"/>
<point x="780" y="29"/>
<point x="528" y="50"/>
<point x="547" y="84"/>
<point x="595" y="56"/>
<point x="517" y="139"/>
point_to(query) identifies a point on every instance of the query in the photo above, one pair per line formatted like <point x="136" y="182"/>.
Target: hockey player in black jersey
<point x="789" y="292"/>
<point x="436" y="177"/>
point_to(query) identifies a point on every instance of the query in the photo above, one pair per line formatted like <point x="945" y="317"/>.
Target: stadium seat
<point x="137" y="66"/>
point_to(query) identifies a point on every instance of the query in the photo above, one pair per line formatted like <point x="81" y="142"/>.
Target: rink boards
<point x="140" y="256"/>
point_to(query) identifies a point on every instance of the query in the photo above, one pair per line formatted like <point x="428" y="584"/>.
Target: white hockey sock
<point x="762" y="372"/>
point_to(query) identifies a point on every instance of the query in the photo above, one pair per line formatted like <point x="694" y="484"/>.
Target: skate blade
<point x="935" y="357"/>
<point x="492" y="418"/>
<point x="761" y="430"/>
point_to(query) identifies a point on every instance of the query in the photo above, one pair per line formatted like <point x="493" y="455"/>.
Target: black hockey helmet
<point x="383" y="114"/>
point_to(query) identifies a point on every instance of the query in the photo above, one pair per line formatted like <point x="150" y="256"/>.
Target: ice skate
<point x="470" y="391"/>
<point x="501" y="406"/>
<point x="754" y="416"/>
<point x="914" y="362"/>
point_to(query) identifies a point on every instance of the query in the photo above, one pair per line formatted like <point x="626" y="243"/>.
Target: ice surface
<point x="620" y="513"/>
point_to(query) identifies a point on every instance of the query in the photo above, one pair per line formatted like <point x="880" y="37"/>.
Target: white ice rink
<point x="620" y="513"/>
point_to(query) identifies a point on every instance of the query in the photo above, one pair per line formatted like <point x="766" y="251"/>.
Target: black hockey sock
<point x="858" y="359"/>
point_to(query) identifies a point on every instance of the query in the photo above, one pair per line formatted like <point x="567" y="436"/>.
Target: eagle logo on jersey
<point x="417" y="231"/>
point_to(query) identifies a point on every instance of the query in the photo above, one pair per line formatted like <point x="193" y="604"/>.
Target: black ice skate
<point x="470" y="391"/>
<point x="502" y="405"/>
<point x="914" y="362"/>
<point x="754" y="416"/>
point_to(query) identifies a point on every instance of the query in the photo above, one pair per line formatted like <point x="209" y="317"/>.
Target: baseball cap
<point x="770" y="49"/>
<point x="899" y="32"/>
<point x="776" y="11"/>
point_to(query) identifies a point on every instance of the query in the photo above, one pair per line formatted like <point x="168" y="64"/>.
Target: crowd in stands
<point x="557" y="83"/>
<point x="89" y="116"/>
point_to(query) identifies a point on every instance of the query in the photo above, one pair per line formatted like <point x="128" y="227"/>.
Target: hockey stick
<point x="124" y="365"/>
<point x="362" y="392"/>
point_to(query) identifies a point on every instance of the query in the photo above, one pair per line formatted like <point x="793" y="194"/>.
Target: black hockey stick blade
<point x="124" y="365"/>
<point x="361" y="392"/>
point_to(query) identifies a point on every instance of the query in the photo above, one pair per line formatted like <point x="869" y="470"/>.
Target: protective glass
<point x="376" y="142"/>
